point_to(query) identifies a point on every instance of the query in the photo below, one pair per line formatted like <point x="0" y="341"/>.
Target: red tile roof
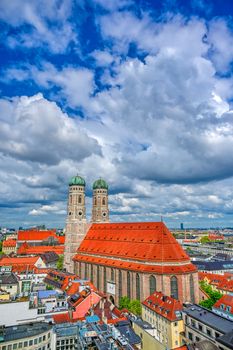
<point x="213" y="278"/>
<point x="61" y="239"/>
<point x="226" y="300"/>
<point x="224" y="285"/>
<point x="62" y="318"/>
<point x="149" y="242"/>
<point x="9" y="243"/>
<point x="9" y="261"/>
<point x="27" y="250"/>
<point x="35" y="235"/>
<point x="163" y="305"/>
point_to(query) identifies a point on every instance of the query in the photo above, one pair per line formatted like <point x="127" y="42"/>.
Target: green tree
<point x="204" y="239"/>
<point x="124" y="303"/>
<point x="213" y="295"/>
<point x="60" y="262"/>
<point x="135" y="307"/>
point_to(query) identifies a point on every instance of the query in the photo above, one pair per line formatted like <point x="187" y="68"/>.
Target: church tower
<point x="100" y="212"/>
<point x="76" y="224"/>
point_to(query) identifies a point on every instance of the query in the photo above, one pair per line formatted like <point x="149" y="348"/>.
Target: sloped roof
<point x="35" y="235"/>
<point x="11" y="261"/>
<point x="9" y="243"/>
<point x="226" y="285"/>
<point x="130" y="245"/>
<point x="163" y="305"/>
<point x="226" y="300"/>
<point x="26" y="249"/>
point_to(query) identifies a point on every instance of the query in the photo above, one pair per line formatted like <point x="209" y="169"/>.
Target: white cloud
<point x="37" y="130"/>
<point x="48" y="21"/>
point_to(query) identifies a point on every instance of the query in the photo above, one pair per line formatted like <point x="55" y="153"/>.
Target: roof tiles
<point x="138" y="242"/>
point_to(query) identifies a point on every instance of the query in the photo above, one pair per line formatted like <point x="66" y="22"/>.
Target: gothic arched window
<point x="112" y="275"/>
<point x="103" y="201"/>
<point x="98" y="277"/>
<point x="120" y="284"/>
<point x="192" y="295"/>
<point x="105" y="280"/>
<point x="152" y="284"/>
<point x="86" y="267"/>
<point x="128" y="285"/>
<point x="80" y="199"/>
<point x="95" y="201"/>
<point x="80" y="269"/>
<point x="91" y="273"/>
<point x="174" y="287"/>
<point x="138" y="286"/>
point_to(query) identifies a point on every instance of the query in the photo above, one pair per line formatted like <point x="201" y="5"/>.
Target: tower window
<point x="104" y="201"/>
<point x="80" y="199"/>
<point x="95" y="201"/>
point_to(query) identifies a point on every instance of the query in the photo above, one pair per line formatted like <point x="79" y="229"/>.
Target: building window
<point x="80" y="269"/>
<point x="103" y="201"/>
<point x="138" y="287"/>
<point x="112" y="275"/>
<point x="79" y="199"/>
<point x="128" y="285"/>
<point x="120" y="284"/>
<point x="105" y="280"/>
<point x="174" y="287"/>
<point x="152" y="284"/>
<point x="208" y="332"/>
<point x="190" y="336"/>
<point x="200" y="327"/>
<point x="86" y="267"/>
<point x="91" y="273"/>
<point x="98" y="277"/>
<point x="95" y="201"/>
<point x="192" y="296"/>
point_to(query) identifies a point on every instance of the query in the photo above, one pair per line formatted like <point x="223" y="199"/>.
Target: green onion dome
<point x="100" y="184"/>
<point x="77" y="180"/>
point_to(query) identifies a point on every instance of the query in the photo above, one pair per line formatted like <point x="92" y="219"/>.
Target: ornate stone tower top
<point x="76" y="210"/>
<point x="100" y="212"/>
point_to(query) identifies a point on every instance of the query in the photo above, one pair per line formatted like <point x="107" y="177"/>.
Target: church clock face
<point x="104" y="214"/>
<point x="80" y="213"/>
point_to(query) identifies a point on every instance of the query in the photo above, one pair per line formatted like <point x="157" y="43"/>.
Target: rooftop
<point x="35" y="235"/>
<point x="225" y="301"/>
<point x="163" y="305"/>
<point x="9" y="243"/>
<point x="209" y="318"/>
<point x="19" y="331"/>
<point x="131" y="244"/>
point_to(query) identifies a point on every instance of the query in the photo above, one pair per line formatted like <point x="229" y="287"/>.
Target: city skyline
<point x="138" y="93"/>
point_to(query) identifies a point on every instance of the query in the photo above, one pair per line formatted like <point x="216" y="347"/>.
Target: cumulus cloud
<point x="36" y="130"/>
<point x="161" y="132"/>
<point x="46" y="21"/>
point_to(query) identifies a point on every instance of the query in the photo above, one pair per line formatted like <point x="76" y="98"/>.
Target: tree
<point x="204" y="239"/>
<point x="213" y="295"/>
<point x="60" y="262"/>
<point x="124" y="303"/>
<point x="133" y="306"/>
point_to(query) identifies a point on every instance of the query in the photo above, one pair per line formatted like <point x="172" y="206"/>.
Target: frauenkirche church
<point x="124" y="259"/>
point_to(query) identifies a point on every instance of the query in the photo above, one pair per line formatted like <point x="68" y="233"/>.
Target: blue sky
<point x="137" y="92"/>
